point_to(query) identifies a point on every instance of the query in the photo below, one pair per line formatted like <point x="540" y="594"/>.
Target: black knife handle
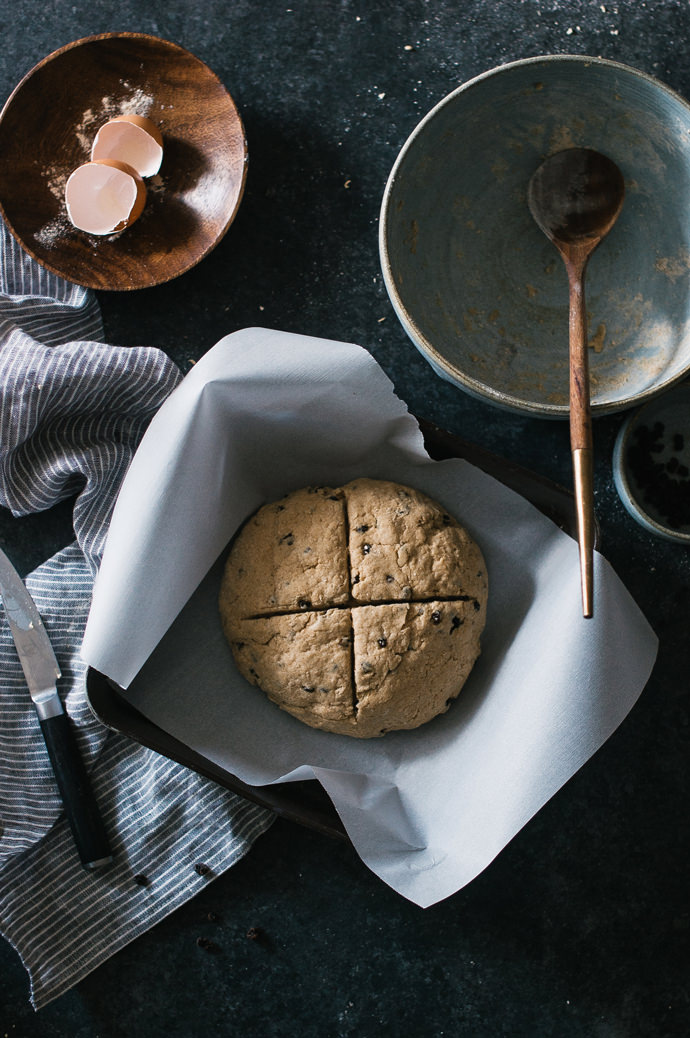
<point x="77" y="795"/>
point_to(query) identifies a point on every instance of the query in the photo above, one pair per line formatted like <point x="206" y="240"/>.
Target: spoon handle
<point x="581" y="428"/>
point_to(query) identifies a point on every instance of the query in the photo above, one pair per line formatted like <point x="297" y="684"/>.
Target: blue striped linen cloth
<point x="72" y="410"/>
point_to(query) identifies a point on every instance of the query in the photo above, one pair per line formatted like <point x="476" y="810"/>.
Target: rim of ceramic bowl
<point x="443" y="367"/>
<point x="623" y="484"/>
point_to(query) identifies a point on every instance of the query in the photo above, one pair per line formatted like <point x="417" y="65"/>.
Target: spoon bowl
<point x="575" y="197"/>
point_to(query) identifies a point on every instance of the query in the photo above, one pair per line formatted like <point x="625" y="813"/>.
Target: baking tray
<point x="306" y="802"/>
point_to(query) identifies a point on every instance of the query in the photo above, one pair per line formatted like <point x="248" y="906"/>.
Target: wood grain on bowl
<point x="47" y="127"/>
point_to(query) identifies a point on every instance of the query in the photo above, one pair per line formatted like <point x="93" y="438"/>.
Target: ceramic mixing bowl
<point x="478" y="287"/>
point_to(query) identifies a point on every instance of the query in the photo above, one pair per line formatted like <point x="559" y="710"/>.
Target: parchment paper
<point x="266" y="412"/>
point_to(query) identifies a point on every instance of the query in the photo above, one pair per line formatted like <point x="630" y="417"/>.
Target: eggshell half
<point x="104" y="196"/>
<point x="133" y="139"/>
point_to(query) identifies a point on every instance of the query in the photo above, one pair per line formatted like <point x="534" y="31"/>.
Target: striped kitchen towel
<point x="72" y="411"/>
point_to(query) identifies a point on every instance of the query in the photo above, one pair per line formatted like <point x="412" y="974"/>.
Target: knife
<point x="41" y="672"/>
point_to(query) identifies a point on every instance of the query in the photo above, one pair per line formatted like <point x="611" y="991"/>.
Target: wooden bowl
<point x="46" y="130"/>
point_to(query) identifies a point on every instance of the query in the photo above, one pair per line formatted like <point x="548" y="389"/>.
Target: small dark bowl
<point x="46" y="129"/>
<point x="651" y="465"/>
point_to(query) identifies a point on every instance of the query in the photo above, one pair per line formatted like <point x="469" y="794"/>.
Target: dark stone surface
<point x="581" y="926"/>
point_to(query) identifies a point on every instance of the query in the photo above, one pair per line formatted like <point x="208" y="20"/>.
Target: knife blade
<point x="41" y="671"/>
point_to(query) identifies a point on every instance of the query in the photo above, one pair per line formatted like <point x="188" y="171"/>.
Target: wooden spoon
<point x="575" y="197"/>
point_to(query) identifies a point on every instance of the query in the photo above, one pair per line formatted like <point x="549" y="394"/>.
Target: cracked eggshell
<point x="104" y="196"/>
<point x="133" y="139"/>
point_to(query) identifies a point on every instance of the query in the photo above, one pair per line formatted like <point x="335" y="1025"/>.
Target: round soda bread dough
<point x="357" y="609"/>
